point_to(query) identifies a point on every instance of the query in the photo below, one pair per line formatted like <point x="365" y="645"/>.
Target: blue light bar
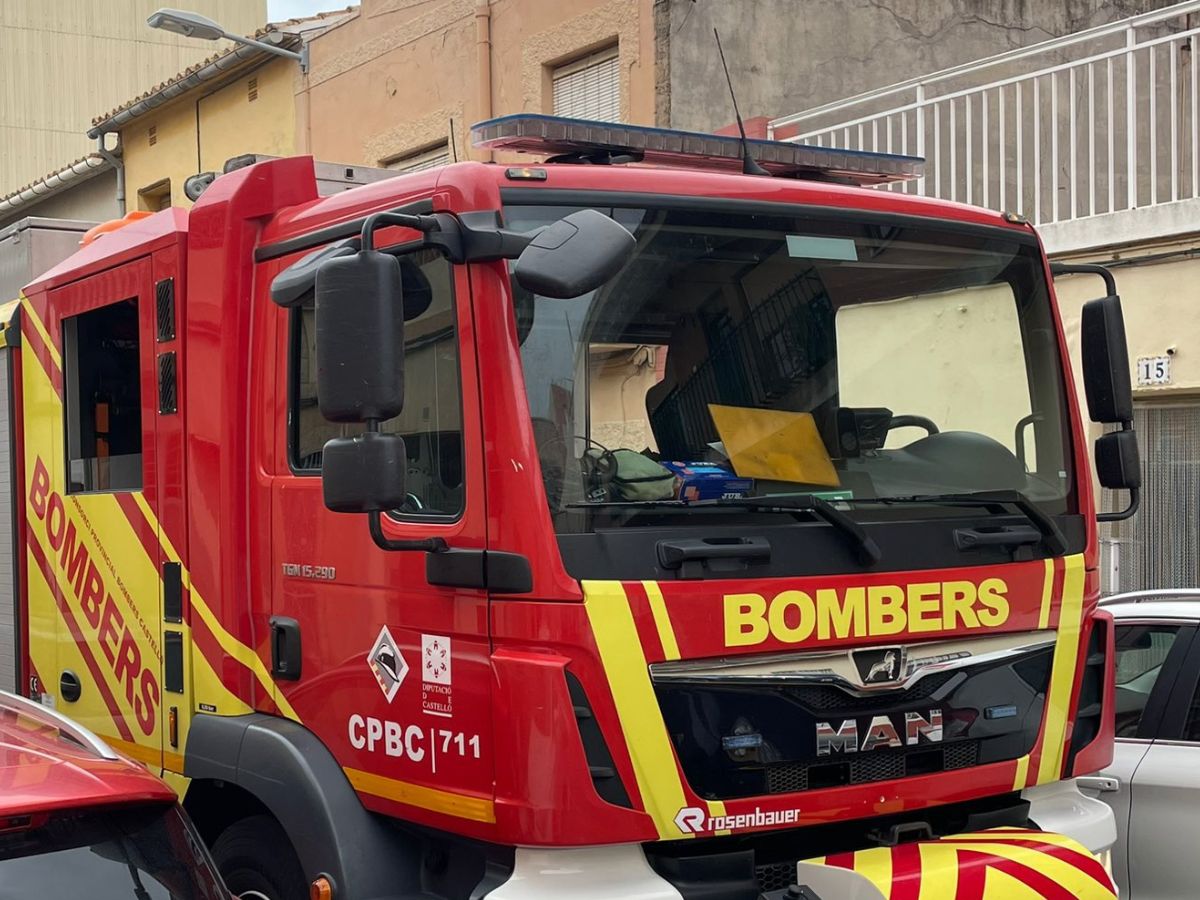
<point x="554" y="136"/>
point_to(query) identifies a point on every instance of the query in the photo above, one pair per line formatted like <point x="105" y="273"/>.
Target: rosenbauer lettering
<point x="109" y="628"/>
<point x="875" y="611"/>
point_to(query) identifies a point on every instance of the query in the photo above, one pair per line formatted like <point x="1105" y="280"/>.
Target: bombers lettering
<point x="99" y="609"/>
<point x="792" y="617"/>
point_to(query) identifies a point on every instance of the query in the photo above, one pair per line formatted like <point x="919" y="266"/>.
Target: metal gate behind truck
<point x="27" y="249"/>
<point x="1160" y="546"/>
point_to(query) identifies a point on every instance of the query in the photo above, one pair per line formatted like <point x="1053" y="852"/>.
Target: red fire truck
<point x="613" y="525"/>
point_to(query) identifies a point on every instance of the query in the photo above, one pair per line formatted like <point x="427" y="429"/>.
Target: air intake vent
<point x="1089" y="711"/>
<point x="167" y="394"/>
<point x="600" y="762"/>
<point x="152" y="135"/>
<point x="864" y="768"/>
<point x="164" y="301"/>
<point x="252" y="90"/>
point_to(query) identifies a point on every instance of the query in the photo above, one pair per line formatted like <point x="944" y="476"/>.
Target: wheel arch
<point x="280" y="767"/>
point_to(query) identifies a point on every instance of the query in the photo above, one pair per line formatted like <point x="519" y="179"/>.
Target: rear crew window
<point x="103" y="409"/>
<point x="431" y="423"/>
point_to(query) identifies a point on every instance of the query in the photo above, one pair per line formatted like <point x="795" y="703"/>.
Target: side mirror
<point x="1106" y="361"/>
<point x="1107" y="388"/>
<point x="364" y="473"/>
<point x="576" y="254"/>
<point x="360" y="337"/>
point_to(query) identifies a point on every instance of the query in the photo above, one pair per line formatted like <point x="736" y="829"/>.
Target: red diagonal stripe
<point x="81" y="642"/>
<point x="906" y="859"/>
<point x="1084" y="862"/>
<point x="31" y="339"/>
<point x="1022" y="872"/>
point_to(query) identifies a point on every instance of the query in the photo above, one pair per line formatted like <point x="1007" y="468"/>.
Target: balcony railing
<point x="1098" y="127"/>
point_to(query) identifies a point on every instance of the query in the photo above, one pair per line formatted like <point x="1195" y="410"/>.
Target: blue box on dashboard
<point x="706" y="481"/>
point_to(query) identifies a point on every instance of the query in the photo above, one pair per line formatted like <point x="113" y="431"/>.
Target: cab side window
<point x="103" y="401"/>
<point x="1141" y="652"/>
<point x="431" y="423"/>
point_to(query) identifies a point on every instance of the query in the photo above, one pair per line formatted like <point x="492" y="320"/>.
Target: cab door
<point x="390" y="670"/>
<point x="90" y="471"/>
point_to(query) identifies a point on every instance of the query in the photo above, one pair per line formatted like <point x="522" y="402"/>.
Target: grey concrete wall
<point x="93" y="200"/>
<point x="790" y="55"/>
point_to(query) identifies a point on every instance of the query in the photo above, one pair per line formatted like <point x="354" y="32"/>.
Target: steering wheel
<point x="913" y="422"/>
<point x="596" y="470"/>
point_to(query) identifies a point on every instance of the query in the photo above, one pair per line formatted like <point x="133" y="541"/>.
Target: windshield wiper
<point x="864" y="545"/>
<point x="1051" y="535"/>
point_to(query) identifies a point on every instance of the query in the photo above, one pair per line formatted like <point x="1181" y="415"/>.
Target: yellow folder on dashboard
<point x="774" y="444"/>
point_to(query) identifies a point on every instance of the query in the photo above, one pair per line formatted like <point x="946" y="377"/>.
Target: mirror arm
<point x="383" y="542"/>
<point x="1110" y="283"/>
<point x="1135" y="498"/>
<point x="423" y="224"/>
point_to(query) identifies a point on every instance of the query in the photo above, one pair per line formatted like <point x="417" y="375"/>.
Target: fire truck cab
<point x="616" y="525"/>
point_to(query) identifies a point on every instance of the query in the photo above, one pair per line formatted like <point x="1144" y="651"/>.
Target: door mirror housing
<point x="575" y="255"/>
<point x="1108" y="389"/>
<point x="360" y="337"/>
<point x="364" y="473"/>
<point x="1106" y="361"/>
<point x="1118" y="463"/>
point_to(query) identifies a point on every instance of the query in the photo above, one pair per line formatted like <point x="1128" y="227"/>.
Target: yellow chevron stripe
<point x="51" y="347"/>
<point x="1021" y="778"/>
<point x="645" y="733"/>
<point x="231" y="645"/>
<point x="1062" y="675"/>
<point x="1047" y="595"/>
<point x="939" y="872"/>
<point x="662" y="621"/>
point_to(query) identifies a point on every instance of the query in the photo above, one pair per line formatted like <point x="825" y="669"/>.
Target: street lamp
<point x="194" y="25"/>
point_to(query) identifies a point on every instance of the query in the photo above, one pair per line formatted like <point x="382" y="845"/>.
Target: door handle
<point x="1101" y="783"/>
<point x="285" y="648"/>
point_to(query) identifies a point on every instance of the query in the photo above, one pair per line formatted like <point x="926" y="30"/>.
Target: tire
<point x="255" y="857"/>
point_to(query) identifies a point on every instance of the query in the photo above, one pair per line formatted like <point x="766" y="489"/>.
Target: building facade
<point x="413" y="76"/>
<point x="1094" y="137"/>
<point x="61" y="60"/>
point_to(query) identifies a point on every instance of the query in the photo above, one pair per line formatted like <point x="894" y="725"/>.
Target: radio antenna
<point x="749" y="166"/>
<point x="453" y="148"/>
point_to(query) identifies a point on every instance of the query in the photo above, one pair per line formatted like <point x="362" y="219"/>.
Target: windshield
<point x="148" y="853"/>
<point x="751" y="355"/>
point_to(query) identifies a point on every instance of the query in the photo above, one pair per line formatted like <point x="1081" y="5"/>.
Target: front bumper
<point x="1057" y="859"/>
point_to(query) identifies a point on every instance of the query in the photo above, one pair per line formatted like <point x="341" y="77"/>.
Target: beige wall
<point x="955" y="358"/>
<point x="1158" y="300"/>
<point x="93" y="200"/>
<point x="401" y="70"/>
<point x="62" y="62"/>
<point x="229" y="124"/>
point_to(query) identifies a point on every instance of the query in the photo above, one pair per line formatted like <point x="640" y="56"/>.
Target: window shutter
<point x="589" y="88"/>
<point x="430" y="158"/>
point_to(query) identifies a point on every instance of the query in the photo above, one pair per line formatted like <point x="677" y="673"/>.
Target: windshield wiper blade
<point x="1052" y="535"/>
<point x="865" y="548"/>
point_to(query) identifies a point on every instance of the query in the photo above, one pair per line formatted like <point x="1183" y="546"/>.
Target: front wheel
<point x="257" y="861"/>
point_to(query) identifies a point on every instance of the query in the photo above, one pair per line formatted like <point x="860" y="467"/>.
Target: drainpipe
<point x="113" y="157"/>
<point x="483" y="58"/>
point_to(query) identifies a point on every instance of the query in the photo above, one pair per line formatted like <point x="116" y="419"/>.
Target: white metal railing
<point x="1099" y="121"/>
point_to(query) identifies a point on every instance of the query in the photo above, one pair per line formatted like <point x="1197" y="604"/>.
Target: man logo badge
<point x="879" y="665"/>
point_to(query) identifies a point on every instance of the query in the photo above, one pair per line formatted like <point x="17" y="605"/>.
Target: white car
<point x="1153" y="784"/>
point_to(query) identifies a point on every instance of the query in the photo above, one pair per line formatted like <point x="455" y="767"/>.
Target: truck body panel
<point x="222" y="585"/>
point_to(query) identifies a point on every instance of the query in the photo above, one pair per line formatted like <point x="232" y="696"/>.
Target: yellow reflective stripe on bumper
<point x="477" y="809"/>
